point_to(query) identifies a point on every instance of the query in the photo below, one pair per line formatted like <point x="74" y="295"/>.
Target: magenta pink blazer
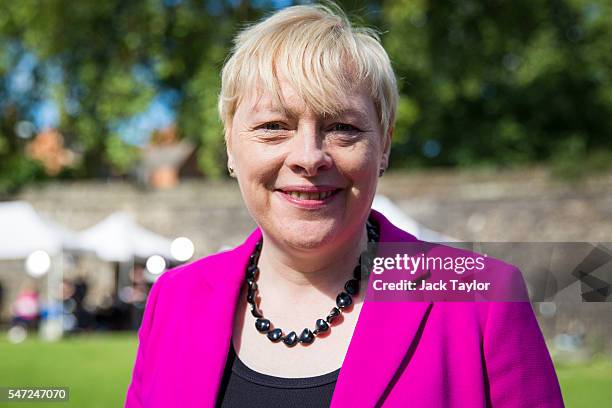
<point x="402" y="354"/>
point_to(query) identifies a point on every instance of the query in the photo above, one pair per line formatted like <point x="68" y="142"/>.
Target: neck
<point x="300" y="274"/>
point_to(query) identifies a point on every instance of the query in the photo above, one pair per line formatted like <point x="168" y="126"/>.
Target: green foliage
<point x="572" y="160"/>
<point x="16" y="171"/>
<point x="120" y="155"/>
<point x="114" y="57"/>
<point x="502" y="82"/>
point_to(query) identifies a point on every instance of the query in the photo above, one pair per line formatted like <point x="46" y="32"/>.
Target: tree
<point x="501" y="82"/>
<point x="111" y="60"/>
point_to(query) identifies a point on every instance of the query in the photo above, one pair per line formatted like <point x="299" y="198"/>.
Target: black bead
<point x="290" y="339"/>
<point x="357" y="272"/>
<point x="372" y="226"/>
<point x="343" y="300"/>
<point x="252" y="284"/>
<point x="251" y="272"/>
<point x="366" y="260"/>
<point x="322" y="326"/>
<point x="251" y="296"/>
<point x="275" y="335"/>
<point x="306" y="337"/>
<point x="335" y="312"/>
<point x="254" y="258"/>
<point x="258" y="245"/>
<point x="262" y="325"/>
<point x="352" y="287"/>
<point x="255" y="312"/>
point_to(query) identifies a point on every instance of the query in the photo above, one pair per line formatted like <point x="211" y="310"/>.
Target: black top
<point x="243" y="387"/>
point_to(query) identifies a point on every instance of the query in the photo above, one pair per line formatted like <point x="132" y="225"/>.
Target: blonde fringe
<point x="322" y="56"/>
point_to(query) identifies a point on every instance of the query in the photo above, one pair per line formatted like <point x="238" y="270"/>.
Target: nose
<point x="307" y="154"/>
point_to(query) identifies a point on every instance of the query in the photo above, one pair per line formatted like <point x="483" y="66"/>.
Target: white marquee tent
<point x="23" y="231"/>
<point x="118" y="238"/>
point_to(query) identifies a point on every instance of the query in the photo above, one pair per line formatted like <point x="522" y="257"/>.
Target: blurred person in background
<point x="138" y="295"/>
<point x="68" y="306"/>
<point x="25" y="309"/>
<point x="76" y="315"/>
<point x="308" y="104"/>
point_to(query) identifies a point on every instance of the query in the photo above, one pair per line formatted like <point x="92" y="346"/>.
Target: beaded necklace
<point x="343" y="300"/>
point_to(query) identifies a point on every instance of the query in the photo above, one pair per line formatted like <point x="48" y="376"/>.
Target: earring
<point x="381" y="171"/>
<point x="231" y="171"/>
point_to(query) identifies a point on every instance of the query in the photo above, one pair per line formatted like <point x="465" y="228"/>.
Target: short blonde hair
<point x="319" y="52"/>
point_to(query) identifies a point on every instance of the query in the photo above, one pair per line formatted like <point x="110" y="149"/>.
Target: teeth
<point x="309" y="196"/>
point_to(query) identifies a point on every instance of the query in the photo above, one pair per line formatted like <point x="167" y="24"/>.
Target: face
<point x="308" y="181"/>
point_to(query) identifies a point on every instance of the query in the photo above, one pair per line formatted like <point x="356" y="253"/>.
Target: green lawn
<point x="97" y="369"/>
<point x="586" y="385"/>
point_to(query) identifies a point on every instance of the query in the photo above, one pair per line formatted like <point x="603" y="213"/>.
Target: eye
<point x="271" y="126"/>
<point x="343" y="127"/>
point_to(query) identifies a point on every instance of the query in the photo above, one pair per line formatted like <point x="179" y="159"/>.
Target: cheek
<point x="359" y="165"/>
<point x="255" y="161"/>
<point x="258" y="170"/>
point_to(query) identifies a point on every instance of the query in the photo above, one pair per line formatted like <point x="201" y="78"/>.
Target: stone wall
<point x="510" y="206"/>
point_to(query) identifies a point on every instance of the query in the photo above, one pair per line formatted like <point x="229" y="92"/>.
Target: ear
<point x="384" y="162"/>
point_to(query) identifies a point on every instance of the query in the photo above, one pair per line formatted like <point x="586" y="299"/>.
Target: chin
<point x="308" y="234"/>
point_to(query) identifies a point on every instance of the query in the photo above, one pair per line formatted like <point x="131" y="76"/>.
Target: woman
<point x="308" y="104"/>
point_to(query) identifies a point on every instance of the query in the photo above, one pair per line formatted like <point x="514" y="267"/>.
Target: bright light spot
<point x="25" y="129"/>
<point x="17" y="334"/>
<point x="156" y="264"/>
<point x="38" y="263"/>
<point x="182" y="249"/>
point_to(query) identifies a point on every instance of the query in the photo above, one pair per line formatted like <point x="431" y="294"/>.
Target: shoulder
<point x="388" y="231"/>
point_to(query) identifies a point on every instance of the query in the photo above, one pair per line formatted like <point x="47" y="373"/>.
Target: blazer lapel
<point x="385" y="337"/>
<point x="216" y="324"/>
